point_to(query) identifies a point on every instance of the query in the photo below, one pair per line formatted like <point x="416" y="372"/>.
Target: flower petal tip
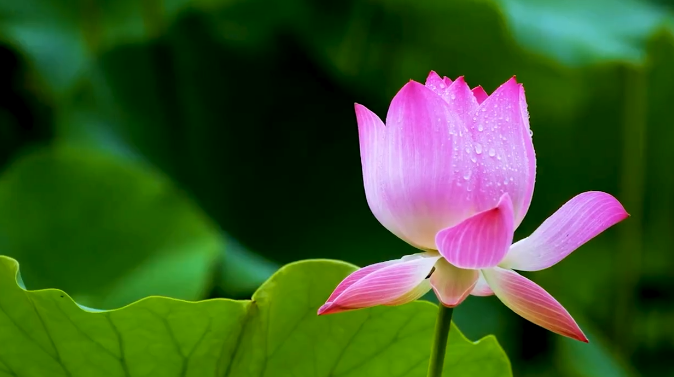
<point x="329" y="308"/>
<point x="432" y="75"/>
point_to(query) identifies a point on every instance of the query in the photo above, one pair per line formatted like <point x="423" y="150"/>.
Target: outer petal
<point x="373" y="151"/>
<point x="481" y="287"/>
<point x="576" y="222"/>
<point x="421" y="180"/>
<point x="380" y="285"/>
<point x="480" y="241"/>
<point x="532" y="302"/>
<point x="480" y="94"/>
<point x="504" y="150"/>
<point x="452" y="285"/>
<point x="412" y="295"/>
<point x="357" y="275"/>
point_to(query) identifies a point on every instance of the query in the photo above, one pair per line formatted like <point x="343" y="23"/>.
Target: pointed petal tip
<point x="579" y="220"/>
<point x="532" y="302"/>
<point x="329" y="308"/>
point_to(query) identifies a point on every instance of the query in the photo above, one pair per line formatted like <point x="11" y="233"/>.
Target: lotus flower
<point x="452" y="173"/>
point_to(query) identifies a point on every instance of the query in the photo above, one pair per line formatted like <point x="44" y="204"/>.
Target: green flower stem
<point x="442" y="326"/>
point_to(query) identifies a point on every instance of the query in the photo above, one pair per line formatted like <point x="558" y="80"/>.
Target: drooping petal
<point x="532" y="302"/>
<point x="504" y="150"/>
<point x="480" y="94"/>
<point x="381" y="285"/>
<point x="452" y="285"/>
<point x="357" y="275"/>
<point x="482" y="240"/>
<point x="412" y="295"/>
<point x="481" y="287"/>
<point x="420" y="180"/>
<point x="576" y="222"/>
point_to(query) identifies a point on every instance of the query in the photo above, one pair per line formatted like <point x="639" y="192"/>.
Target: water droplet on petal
<point x="466" y="175"/>
<point x="492" y="152"/>
<point x="478" y="148"/>
<point x="452" y="96"/>
<point x="480" y="128"/>
<point x="531" y="133"/>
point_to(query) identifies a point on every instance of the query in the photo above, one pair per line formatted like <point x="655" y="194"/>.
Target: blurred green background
<point x="189" y="148"/>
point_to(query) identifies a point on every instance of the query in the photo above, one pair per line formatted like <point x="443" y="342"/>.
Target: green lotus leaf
<point x="115" y="231"/>
<point x="45" y="333"/>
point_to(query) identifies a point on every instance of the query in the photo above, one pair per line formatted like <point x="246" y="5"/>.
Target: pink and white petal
<point x="383" y="285"/>
<point x="373" y="149"/>
<point x="412" y="295"/>
<point x="451" y="284"/>
<point x="481" y="287"/>
<point x="503" y="150"/>
<point x="531" y="158"/>
<point x="480" y="94"/>
<point x="480" y="241"/>
<point x="532" y="302"/>
<point x="576" y="222"/>
<point x="423" y="181"/>
<point x="357" y="275"/>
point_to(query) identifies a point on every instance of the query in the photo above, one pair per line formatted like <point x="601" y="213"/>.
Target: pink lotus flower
<point x="452" y="173"/>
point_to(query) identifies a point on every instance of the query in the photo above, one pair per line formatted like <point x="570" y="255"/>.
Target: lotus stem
<point x="442" y="326"/>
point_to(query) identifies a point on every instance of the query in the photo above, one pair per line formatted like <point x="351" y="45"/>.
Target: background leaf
<point x="44" y="333"/>
<point x="142" y="236"/>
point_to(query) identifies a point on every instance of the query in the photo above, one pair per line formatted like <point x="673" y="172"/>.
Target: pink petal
<point x="482" y="240"/>
<point x="503" y="150"/>
<point x="357" y="275"/>
<point x="532" y="302"/>
<point x="531" y="159"/>
<point x="452" y="285"/>
<point x="381" y="285"/>
<point x="576" y="222"/>
<point x="373" y="149"/>
<point x="418" y="179"/>
<point x="457" y="94"/>
<point x="412" y="295"/>
<point x="437" y="84"/>
<point x="447" y="80"/>
<point x="481" y="287"/>
<point x="480" y="94"/>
